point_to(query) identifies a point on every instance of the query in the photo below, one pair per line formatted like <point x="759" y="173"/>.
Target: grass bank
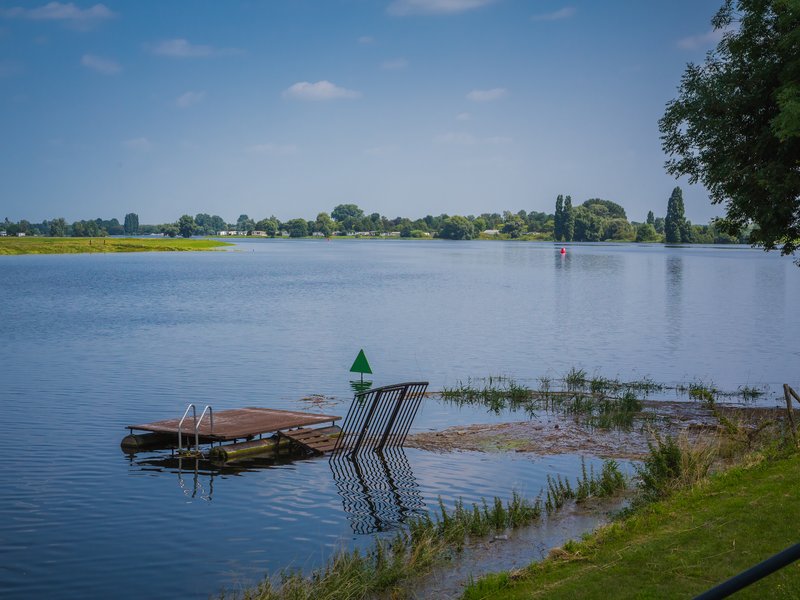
<point x="385" y="568"/>
<point x="42" y="245"/>
<point x="677" y="547"/>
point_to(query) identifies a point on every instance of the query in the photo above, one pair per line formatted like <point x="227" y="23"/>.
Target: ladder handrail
<point x="210" y="412"/>
<point x="180" y="425"/>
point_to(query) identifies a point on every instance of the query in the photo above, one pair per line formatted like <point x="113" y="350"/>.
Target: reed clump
<point x="428" y="539"/>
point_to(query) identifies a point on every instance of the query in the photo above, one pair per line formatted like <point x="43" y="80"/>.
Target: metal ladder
<point x="197" y="422"/>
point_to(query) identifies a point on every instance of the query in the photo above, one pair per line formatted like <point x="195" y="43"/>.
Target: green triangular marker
<point x="361" y="365"/>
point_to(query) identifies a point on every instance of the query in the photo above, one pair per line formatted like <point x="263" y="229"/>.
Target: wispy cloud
<point x="182" y="48"/>
<point x="702" y="40"/>
<point x="271" y="149"/>
<point x="141" y="144"/>
<point x="487" y="95"/>
<point x="379" y="150"/>
<point x="556" y="15"/>
<point x="105" y="66"/>
<point x="455" y="137"/>
<point x="394" y="64"/>
<point x="67" y="13"/>
<point x="189" y="98"/>
<point x="434" y="7"/>
<point x="321" y="90"/>
<point x="366" y="40"/>
<point x="460" y="138"/>
<point x="9" y="68"/>
<point x="464" y="116"/>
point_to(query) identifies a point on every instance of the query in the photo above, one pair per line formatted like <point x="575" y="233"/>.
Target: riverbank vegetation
<point x="591" y="221"/>
<point x="38" y="245"/>
<point x="429" y="540"/>
<point x="699" y="532"/>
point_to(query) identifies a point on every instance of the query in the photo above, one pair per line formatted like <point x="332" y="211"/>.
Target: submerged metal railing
<point x="380" y="418"/>
<point x="378" y="489"/>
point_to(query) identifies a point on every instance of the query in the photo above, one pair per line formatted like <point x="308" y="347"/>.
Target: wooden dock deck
<point x="238" y="423"/>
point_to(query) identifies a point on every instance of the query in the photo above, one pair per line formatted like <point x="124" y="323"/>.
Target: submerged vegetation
<point x="701" y="531"/>
<point x="430" y="539"/>
<point x="599" y="401"/>
<point x="42" y="245"/>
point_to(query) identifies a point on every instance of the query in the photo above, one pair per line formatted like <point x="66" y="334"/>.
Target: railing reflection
<point x="378" y="489"/>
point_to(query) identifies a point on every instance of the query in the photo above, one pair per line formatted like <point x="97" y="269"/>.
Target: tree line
<point x="594" y="220"/>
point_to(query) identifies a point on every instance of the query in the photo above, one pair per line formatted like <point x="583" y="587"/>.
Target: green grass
<point x="47" y="245"/>
<point x="678" y="547"/>
<point x="427" y="540"/>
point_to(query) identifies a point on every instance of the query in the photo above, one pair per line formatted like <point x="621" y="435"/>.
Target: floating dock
<point x="229" y="426"/>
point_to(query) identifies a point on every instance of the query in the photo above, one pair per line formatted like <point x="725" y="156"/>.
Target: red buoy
<point x="563" y="250"/>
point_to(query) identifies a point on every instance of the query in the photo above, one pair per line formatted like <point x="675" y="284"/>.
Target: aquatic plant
<point x="427" y="539"/>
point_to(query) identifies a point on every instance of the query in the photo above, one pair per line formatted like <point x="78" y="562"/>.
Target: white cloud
<point x="455" y="137"/>
<point x="434" y="7"/>
<point x="379" y="150"/>
<point x="394" y="64"/>
<point x="703" y="40"/>
<point x="9" y="68"/>
<point x="99" y="64"/>
<point x="366" y="40"/>
<point x="141" y="143"/>
<point x="497" y="140"/>
<point x="67" y="13"/>
<point x="321" y="90"/>
<point x="487" y="95"/>
<point x="557" y="15"/>
<point x="182" y="48"/>
<point x="464" y="116"/>
<point x="273" y="149"/>
<point x="189" y="98"/>
<point x="461" y="138"/>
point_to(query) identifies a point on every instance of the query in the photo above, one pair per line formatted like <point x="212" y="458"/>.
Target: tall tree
<point x="131" y="226"/>
<point x="58" y="227"/>
<point x="186" y="226"/>
<point x="675" y="222"/>
<point x="569" y="220"/>
<point x="651" y="219"/>
<point x="735" y="125"/>
<point x="457" y="228"/>
<point x="558" y="223"/>
<point x="343" y="211"/>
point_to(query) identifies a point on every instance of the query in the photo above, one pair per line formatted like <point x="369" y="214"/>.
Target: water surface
<point x="91" y="343"/>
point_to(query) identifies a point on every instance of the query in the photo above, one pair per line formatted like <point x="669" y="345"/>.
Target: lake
<point x="92" y="343"/>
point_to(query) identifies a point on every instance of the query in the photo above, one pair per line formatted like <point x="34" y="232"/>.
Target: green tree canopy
<point x="131" y="226"/>
<point x="735" y="125"/>
<point x="297" y="228"/>
<point x="457" y="228"/>
<point x="605" y="208"/>
<point x="185" y="226"/>
<point x="343" y="211"/>
<point x="675" y="222"/>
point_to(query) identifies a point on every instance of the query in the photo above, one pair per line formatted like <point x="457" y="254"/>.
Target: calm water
<point x="91" y="343"/>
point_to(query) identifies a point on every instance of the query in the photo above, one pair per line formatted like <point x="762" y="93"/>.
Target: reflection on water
<point x="91" y="343"/>
<point x="378" y="489"/>
<point x="674" y="299"/>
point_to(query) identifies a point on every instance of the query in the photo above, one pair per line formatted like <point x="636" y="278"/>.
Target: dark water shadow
<point x="378" y="489"/>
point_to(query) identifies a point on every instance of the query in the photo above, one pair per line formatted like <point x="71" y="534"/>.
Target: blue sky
<point x="290" y="107"/>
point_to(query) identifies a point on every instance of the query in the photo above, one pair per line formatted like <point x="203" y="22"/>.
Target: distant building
<point x="318" y="234"/>
<point x="259" y="233"/>
<point x="228" y="233"/>
<point x="491" y="232"/>
<point x="3" y="233"/>
<point x="20" y="234"/>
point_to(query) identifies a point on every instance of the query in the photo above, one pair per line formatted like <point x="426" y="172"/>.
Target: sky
<point x="291" y="107"/>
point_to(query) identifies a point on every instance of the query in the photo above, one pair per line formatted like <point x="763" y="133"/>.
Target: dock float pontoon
<point x="223" y="426"/>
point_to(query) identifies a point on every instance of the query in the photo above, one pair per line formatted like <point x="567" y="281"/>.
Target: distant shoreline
<point x="13" y="246"/>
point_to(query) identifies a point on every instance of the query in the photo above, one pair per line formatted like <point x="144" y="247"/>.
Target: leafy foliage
<point x="735" y="125"/>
